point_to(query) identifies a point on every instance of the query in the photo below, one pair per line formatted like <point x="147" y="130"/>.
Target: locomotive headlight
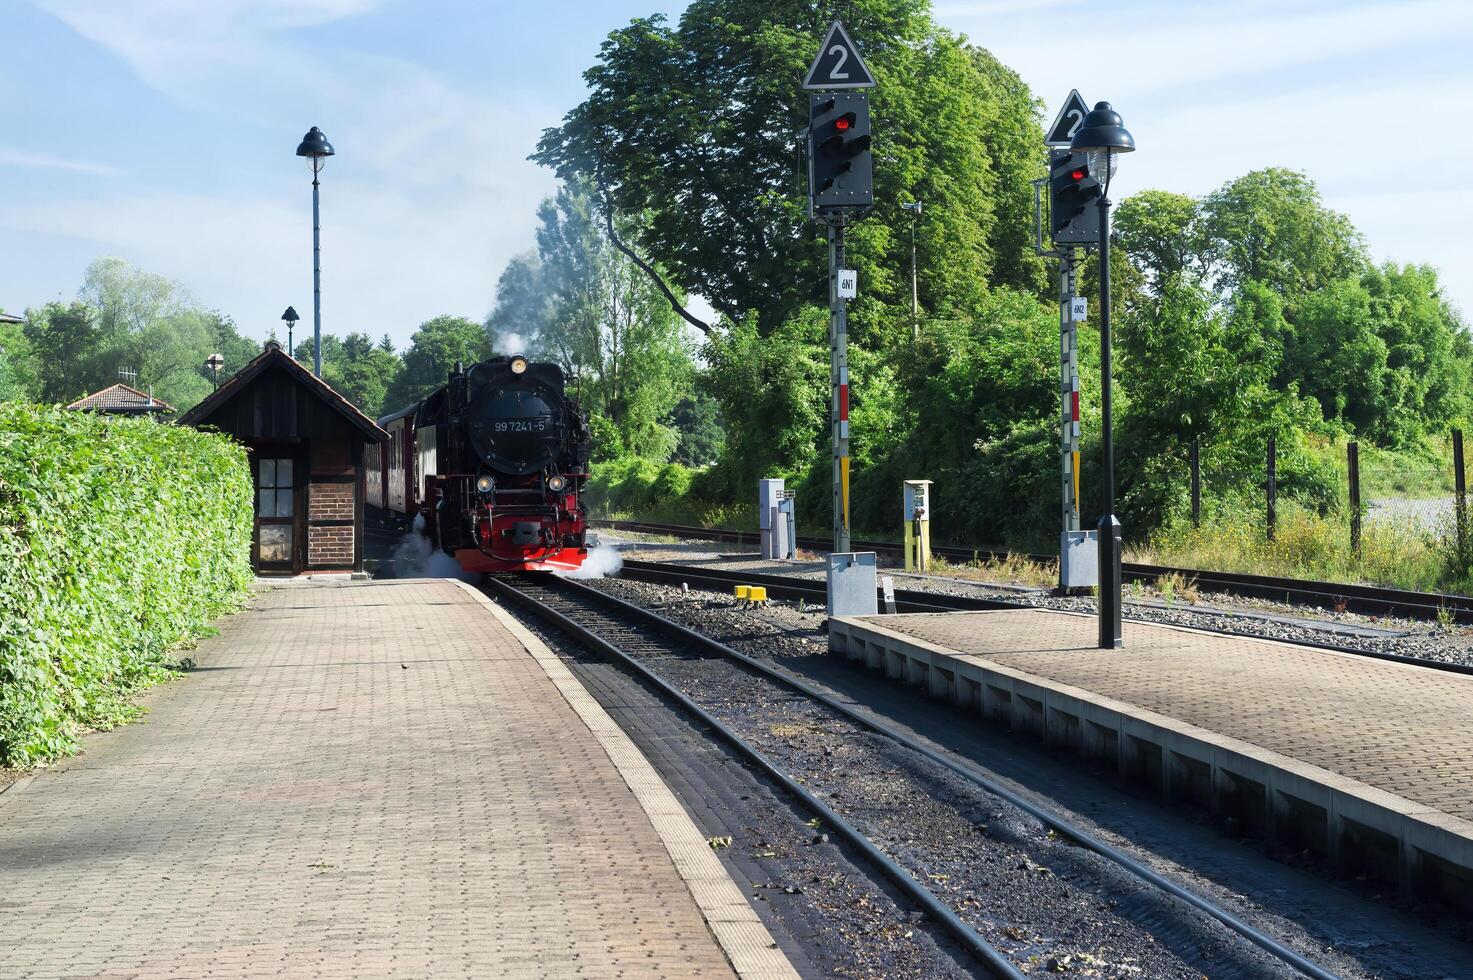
<point x="485" y="484"/>
<point x="556" y="484"/>
<point x="518" y="365"/>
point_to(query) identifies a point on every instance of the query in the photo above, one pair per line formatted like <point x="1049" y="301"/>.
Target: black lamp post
<point x="1103" y="136"/>
<point x="316" y="149"/>
<point x="914" y="207"/>
<point x="291" y="318"/>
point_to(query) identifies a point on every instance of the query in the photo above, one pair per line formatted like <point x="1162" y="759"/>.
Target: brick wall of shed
<point x="330" y="502"/>
<point x="331" y="545"/>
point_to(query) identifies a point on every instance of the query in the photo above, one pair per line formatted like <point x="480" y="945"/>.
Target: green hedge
<point x="119" y="539"/>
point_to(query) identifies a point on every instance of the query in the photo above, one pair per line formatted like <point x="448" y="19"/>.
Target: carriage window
<point x="274" y="488"/>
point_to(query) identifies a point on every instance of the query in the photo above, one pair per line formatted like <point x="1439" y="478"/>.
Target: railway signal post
<point x="840" y="189"/>
<point x="1072" y="226"/>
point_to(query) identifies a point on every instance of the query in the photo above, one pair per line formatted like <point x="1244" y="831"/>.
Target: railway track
<point x="1372" y="599"/>
<point x="914" y="600"/>
<point x="658" y="650"/>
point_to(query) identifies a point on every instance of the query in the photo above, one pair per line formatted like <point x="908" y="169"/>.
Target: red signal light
<point x="842" y="123"/>
<point x="1077" y="174"/>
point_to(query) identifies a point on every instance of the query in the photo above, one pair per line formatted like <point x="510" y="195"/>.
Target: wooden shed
<point x="306" y="445"/>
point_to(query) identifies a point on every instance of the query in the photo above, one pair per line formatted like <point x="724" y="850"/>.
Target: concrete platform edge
<point x="1192" y="763"/>
<point x="743" y="938"/>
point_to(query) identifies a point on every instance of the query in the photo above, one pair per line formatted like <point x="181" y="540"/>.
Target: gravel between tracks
<point x="1348" y="927"/>
<point x="845" y="921"/>
<point x="1051" y="906"/>
<point x="1254" y="617"/>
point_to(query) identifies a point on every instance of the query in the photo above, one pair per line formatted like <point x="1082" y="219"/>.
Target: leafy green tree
<point x="604" y="321"/>
<point x="434" y="349"/>
<point x="1270" y="226"/>
<point x="64" y="339"/>
<point x="695" y="127"/>
<point x="1161" y="232"/>
<point x="366" y="371"/>
<point x="357" y="368"/>
<point x="18" y="372"/>
<point x="523" y="307"/>
<point x="774" y="398"/>
<point x="697" y="420"/>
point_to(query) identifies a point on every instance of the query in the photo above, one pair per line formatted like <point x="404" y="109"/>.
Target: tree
<point x="1270" y="226"/>
<point x="693" y="129"/>
<point x="18" y="371"/>
<point x="697" y="420"/>
<point x="436" y="347"/>
<point x="593" y="311"/>
<point x="64" y="339"/>
<point x="523" y="307"/>
<point x="1162" y="234"/>
<point x="365" y="371"/>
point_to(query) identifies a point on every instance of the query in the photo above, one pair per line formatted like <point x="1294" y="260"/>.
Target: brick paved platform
<point x="367" y="779"/>
<point x="1367" y="761"/>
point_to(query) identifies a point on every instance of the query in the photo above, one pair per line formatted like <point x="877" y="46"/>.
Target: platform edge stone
<point x="748" y="946"/>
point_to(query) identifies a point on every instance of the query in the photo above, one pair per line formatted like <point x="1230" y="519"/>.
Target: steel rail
<point x="969" y="938"/>
<point x="916" y="600"/>
<point x="1366" y="598"/>
<point x="1058" y="824"/>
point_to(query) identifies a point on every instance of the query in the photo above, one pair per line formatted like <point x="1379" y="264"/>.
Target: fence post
<point x="1196" y="482"/>
<point x="1460" y="501"/>
<point x="1273" y="486"/>
<point x="1352" y="464"/>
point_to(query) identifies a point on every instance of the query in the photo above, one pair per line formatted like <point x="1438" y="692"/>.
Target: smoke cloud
<point x="417" y="557"/>
<point x="603" y="561"/>
<point x="511" y="343"/>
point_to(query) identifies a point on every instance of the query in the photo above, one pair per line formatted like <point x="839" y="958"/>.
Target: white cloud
<point x="18" y="158"/>
<point x="429" y="195"/>
<point x="1355" y="96"/>
<point x="1162" y="48"/>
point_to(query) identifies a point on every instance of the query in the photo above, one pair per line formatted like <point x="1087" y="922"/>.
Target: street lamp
<point x="291" y="318"/>
<point x="214" y="362"/>
<point x="914" y="207"/>
<point x="316" y="149"/>
<point x="1103" y="136"/>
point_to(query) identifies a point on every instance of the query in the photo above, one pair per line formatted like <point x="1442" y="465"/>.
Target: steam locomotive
<point x="490" y="467"/>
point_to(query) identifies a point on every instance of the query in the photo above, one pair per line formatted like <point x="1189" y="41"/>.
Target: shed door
<point x="279" y="539"/>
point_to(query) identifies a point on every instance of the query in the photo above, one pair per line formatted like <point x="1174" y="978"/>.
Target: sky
<point x="163" y="131"/>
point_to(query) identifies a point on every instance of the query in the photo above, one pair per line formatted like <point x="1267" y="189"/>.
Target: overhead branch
<point x="644" y="266"/>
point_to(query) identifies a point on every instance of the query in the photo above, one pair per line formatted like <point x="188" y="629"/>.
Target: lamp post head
<point x="913" y="206"/>
<point x="1104" y="137"/>
<point x="315" y="148"/>
<point x="290" y="316"/>
<point x="1103" y="129"/>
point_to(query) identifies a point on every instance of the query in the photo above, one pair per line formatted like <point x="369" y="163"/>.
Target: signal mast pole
<point x="839" y="384"/>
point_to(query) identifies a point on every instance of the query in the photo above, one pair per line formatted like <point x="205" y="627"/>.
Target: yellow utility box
<point x="917" y="506"/>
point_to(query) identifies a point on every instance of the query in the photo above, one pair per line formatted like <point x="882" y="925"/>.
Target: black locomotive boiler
<point x="490" y="466"/>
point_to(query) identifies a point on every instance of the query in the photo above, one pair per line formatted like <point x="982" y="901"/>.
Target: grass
<point x="1308" y="545"/>
<point x="1423" y="471"/>
<point x="1014" y="569"/>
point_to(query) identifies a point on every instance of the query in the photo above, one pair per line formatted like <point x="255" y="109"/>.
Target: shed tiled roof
<point x="274" y="355"/>
<point x="11" y="318"/>
<point x="120" y="398"/>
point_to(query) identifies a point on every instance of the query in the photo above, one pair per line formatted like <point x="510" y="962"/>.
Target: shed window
<point x="274" y="488"/>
